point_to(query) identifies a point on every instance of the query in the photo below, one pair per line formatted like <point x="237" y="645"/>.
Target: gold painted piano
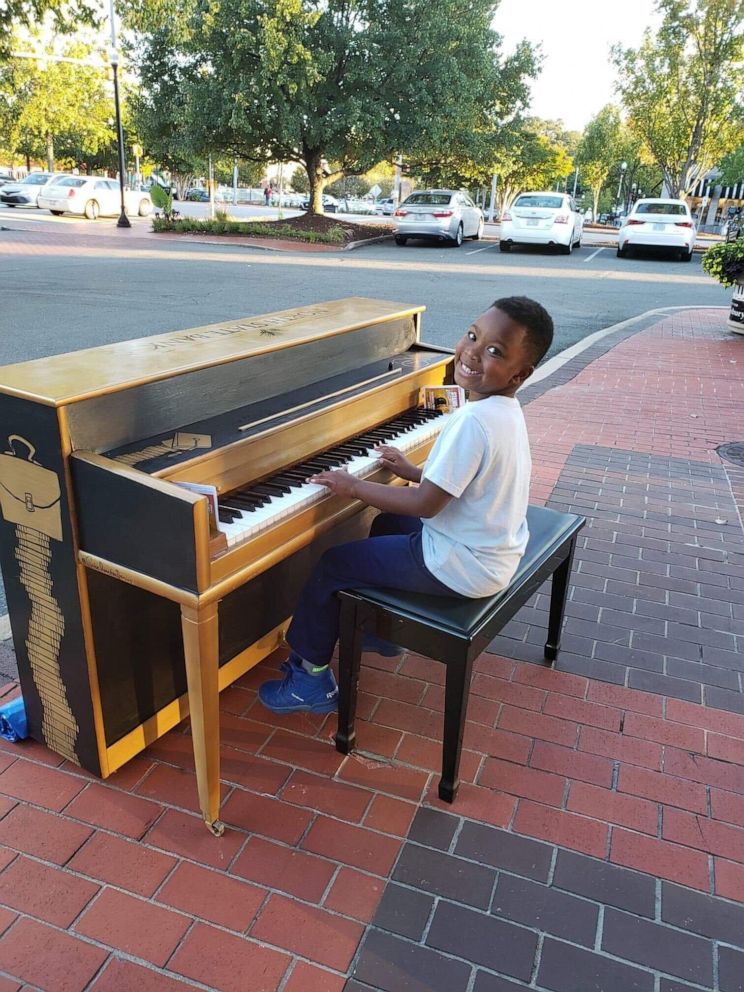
<point x="131" y="603"/>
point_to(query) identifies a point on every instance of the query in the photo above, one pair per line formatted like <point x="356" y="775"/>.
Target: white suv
<point x="658" y="223"/>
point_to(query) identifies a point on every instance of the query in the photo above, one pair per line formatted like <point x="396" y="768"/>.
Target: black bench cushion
<point x="548" y="531"/>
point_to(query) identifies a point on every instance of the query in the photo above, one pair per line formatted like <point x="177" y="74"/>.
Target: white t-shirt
<point x="482" y="457"/>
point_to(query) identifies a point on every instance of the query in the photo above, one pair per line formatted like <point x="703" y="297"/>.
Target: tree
<point x="732" y="167"/>
<point x="66" y="16"/>
<point x="348" y="82"/>
<point x="681" y="87"/>
<point x="57" y="110"/>
<point x="531" y="160"/>
<point x="598" y="150"/>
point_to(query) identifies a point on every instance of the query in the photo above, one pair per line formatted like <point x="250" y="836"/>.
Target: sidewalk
<point x="597" y="842"/>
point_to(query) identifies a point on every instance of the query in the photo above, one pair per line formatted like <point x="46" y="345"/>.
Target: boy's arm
<point x="425" y="500"/>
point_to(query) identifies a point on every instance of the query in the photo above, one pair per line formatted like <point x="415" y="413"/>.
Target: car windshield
<point x="428" y="199"/>
<point x="660" y="207"/>
<point x="549" y="202"/>
<point x="36" y="179"/>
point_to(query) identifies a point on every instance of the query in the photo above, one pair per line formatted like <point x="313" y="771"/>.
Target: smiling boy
<point x="462" y="530"/>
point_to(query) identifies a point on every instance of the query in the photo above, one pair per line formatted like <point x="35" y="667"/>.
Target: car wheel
<point x="565" y="249"/>
<point x="56" y="213"/>
<point x="622" y="252"/>
<point x="457" y="240"/>
<point x="145" y="208"/>
<point x="13" y="205"/>
<point x="479" y="233"/>
<point x="686" y="256"/>
<point x="400" y="239"/>
<point x="91" y="210"/>
<point x="504" y="246"/>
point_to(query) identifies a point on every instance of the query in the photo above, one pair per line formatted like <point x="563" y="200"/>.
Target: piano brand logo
<point x="266" y="326"/>
<point x="181" y="441"/>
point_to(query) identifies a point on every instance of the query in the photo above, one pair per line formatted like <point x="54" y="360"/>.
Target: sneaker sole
<point x="302" y="708"/>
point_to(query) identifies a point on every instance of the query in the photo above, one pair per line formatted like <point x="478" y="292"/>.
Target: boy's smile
<point x="491" y="359"/>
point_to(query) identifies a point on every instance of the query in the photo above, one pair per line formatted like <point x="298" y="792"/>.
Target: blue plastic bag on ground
<point x="13" y="726"/>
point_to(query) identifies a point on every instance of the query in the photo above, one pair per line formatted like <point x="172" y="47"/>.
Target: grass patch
<point x="256" y="229"/>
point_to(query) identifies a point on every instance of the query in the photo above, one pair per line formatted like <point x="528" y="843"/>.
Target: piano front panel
<point x="138" y="634"/>
<point x="103" y="423"/>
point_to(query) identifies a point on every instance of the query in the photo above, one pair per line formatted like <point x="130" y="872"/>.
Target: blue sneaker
<point x="299" y="690"/>
<point x="386" y="648"/>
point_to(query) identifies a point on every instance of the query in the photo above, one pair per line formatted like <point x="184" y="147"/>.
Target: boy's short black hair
<point x="534" y="318"/>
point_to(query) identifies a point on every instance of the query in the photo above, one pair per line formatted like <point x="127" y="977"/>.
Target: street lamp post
<point x="623" y="167"/>
<point x="123" y="220"/>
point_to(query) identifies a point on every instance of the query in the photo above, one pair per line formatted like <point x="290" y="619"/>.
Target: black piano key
<point x="266" y="489"/>
<point x="287" y="480"/>
<point x="226" y="515"/>
<point x="256" y="498"/>
<point x="242" y="506"/>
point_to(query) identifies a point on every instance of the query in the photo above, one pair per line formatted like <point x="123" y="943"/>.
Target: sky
<point x="577" y="78"/>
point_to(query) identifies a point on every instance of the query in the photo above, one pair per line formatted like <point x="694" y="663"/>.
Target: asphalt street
<point x="70" y="285"/>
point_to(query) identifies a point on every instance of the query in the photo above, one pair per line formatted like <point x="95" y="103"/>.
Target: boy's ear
<point x="523" y="374"/>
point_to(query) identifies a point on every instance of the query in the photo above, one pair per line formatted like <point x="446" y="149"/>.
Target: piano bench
<point x="454" y="631"/>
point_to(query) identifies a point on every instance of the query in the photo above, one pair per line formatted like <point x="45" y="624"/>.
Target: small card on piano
<point x="211" y="493"/>
<point x="446" y="399"/>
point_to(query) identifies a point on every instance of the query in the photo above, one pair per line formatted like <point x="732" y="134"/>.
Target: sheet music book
<point x="211" y="493"/>
<point x="444" y="398"/>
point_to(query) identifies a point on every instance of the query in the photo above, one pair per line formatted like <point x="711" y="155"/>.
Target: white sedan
<point x="542" y="218"/>
<point x="91" y="197"/>
<point x="658" y="223"/>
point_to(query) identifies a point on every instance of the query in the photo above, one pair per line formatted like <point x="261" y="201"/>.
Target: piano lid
<point x="111" y="368"/>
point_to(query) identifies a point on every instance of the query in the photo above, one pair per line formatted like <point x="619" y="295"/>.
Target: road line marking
<point x="4" y="627"/>
<point x="593" y="254"/>
<point x="476" y="250"/>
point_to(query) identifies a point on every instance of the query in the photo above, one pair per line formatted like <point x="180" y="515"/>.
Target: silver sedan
<point x="440" y="214"/>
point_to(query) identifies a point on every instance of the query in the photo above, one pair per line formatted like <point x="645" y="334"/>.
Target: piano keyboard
<point x="244" y="513"/>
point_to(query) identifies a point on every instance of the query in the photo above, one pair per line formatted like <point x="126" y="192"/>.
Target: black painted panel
<point x="135" y="525"/>
<point x="42" y="596"/>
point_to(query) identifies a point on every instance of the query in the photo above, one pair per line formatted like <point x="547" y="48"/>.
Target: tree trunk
<point x="317" y="179"/>
<point x="50" y="151"/>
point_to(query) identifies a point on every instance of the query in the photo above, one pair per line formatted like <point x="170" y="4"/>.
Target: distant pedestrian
<point x="267" y="194"/>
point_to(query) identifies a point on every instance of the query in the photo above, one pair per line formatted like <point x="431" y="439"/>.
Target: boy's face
<point x="492" y="359"/>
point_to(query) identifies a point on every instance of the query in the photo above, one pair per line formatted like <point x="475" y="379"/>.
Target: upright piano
<point x="131" y="604"/>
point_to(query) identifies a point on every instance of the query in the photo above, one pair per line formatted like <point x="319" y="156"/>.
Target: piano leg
<point x="200" y="642"/>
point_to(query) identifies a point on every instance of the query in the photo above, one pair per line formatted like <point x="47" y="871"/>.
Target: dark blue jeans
<point x="391" y="557"/>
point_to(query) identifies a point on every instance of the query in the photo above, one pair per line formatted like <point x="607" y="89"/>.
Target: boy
<point x="461" y="531"/>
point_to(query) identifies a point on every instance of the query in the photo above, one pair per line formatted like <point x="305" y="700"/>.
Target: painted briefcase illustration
<point x="30" y="499"/>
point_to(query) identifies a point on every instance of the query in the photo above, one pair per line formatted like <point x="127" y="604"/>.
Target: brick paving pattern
<point x="597" y="842"/>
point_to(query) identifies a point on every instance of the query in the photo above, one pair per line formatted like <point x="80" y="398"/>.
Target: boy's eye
<point x="493" y="350"/>
<point x="471" y="335"/>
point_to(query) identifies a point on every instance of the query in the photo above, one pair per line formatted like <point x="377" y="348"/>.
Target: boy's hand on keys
<point x="338" y="481"/>
<point x="397" y="462"/>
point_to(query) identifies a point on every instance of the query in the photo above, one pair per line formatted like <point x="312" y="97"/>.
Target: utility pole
<point x="494" y="182"/>
<point x="576" y="179"/>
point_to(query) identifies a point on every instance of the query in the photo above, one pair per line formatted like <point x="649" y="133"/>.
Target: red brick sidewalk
<point x="597" y="843"/>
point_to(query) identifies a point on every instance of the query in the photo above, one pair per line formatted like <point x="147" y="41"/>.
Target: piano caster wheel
<point x="217" y="828"/>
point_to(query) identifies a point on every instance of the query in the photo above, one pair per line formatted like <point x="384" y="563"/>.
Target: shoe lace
<point x="289" y="669"/>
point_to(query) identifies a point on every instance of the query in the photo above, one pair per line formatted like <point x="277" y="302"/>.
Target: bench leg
<point x="558" y="604"/>
<point x="349" y="662"/>
<point x="456" y="693"/>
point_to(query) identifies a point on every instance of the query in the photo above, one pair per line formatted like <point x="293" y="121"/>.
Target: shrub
<point x="725" y="262"/>
<point x="259" y="229"/>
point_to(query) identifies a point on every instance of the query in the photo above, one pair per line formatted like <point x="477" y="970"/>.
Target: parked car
<point x="442" y="214"/>
<point x="385" y="207"/>
<point x="199" y="195"/>
<point x="91" y="197"/>
<point x="542" y="218"/>
<point x="166" y="186"/>
<point x="330" y="203"/>
<point x="658" y="223"/>
<point x="6" y="177"/>
<point x="26" y="192"/>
